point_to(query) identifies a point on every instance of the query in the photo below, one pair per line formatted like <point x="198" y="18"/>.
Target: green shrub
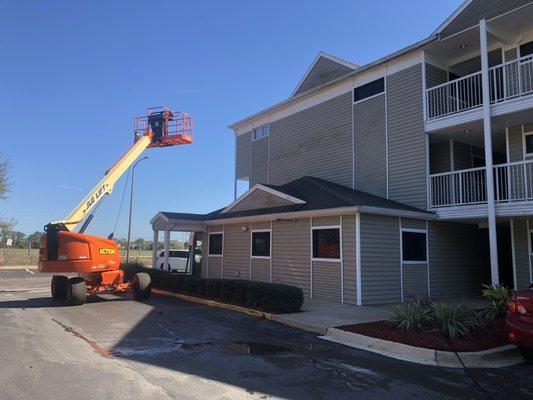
<point x="213" y="287"/>
<point x="414" y="315"/>
<point x="189" y="284"/>
<point x="227" y="289"/>
<point x="455" y="320"/>
<point x="201" y="286"/>
<point x="240" y="291"/>
<point x="275" y="297"/>
<point x="131" y="268"/>
<point x="500" y="296"/>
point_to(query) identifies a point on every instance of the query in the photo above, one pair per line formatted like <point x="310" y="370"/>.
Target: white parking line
<point x="30" y="271"/>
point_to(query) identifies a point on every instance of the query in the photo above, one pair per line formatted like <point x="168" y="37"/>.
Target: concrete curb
<point x="9" y="267"/>
<point x="306" y="326"/>
<point x="214" y="303"/>
<point x="499" y="357"/>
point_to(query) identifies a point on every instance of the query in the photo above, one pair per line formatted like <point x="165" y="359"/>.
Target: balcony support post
<point x="155" y="242"/>
<point x="487" y="135"/>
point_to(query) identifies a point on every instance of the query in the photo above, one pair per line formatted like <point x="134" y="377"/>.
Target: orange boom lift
<point x="96" y="260"/>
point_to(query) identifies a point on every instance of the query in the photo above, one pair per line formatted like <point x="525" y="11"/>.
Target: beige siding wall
<point x="214" y="267"/>
<point x="326" y="221"/>
<point x="522" y="256"/>
<point x="244" y="155"/>
<point x="260" y="199"/>
<point x="260" y="269"/>
<point x="315" y="142"/>
<point x="415" y="280"/>
<point x="515" y="143"/>
<point x="406" y="137"/>
<point x="380" y="259"/>
<point x="370" y="146"/>
<point x="261" y="225"/>
<point x="291" y="253"/>
<point x="327" y="280"/>
<point x="413" y="223"/>
<point x="259" y="161"/>
<point x="236" y="251"/>
<point x="349" y="255"/>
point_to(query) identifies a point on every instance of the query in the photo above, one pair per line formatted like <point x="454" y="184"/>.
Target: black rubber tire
<point x="142" y="286"/>
<point x="526" y="352"/>
<point x="76" y="292"/>
<point x="59" y="287"/>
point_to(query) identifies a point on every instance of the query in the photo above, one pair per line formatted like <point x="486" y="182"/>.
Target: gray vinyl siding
<point x="521" y="251"/>
<point x="380" y="259"/>
<point x="414" y="276"/>
<point x="477" y="10"/>
<point x="408" y="223"/>
<point x="325" y="70"/>
<point x="435" y="76"/>
<point x="236" y="251"/>
<point x="415" y="281"/>
<point x="291" y="262"/>
<point x="261" y="225"/>
<point x="214" y="269"/>
<point x="462" y="156"/>
<point x="370" y="146"/>
<point x="348" y="256"/>
<point x="259" y="161"/>
<point x="325" y="221"/>
<point x="315" y="142"/>
<point x="439" y="157"/>
<point x="260" y="199"/>
<point x="406" y="137"/>
<point x="244" y="155"/>
<point x="457" y="259"/>
<point x="515" y="143"/>
<point x="327" y="280"/>
<point x="260" y="269"/>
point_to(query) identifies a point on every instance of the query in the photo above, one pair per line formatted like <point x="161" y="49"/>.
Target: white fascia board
<point x="266" y="189"/>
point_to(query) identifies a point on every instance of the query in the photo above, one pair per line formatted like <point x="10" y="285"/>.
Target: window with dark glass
<point x="531" y="239"/>
<point x="529" y="143"/>
<point x="326" y="243"/>
<point x="260" y="244"/>
<point x="369" y="89"/>
<point x="215" y="244"/>
<point x="414" y="246"/>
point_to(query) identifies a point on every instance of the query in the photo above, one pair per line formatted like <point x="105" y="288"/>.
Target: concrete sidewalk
<point x="319" y="315"/>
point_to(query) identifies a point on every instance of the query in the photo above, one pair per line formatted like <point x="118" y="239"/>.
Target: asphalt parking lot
<point x="116" y="348"/>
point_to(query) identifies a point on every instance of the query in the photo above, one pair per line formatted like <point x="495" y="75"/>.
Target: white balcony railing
<point x="512" y="182"/>
<point x="506" y="81"/>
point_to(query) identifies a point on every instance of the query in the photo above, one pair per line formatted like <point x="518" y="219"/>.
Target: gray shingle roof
<point x="317" y="193"/>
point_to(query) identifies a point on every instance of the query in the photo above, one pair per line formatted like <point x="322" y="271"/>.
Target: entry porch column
<point x="155" y="243"/>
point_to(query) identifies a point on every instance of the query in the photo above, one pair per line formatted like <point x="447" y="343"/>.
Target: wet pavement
<point x="166" y="348"/>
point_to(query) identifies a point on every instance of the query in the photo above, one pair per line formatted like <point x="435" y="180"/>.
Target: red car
<point x="520" y="321"/>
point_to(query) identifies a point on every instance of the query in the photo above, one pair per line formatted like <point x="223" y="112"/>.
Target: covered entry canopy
<point x="173" y="222"/>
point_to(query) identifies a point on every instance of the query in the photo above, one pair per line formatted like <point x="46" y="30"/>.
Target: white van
<point x="177" y="260"/>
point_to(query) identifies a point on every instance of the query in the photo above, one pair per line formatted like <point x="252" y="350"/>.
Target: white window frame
<point x="524" y="135"/>
<point x="251" y="243"/>
<point x="209" y="243"/>
<point x="320" y="227"/>
<point x="260" y="128"/>
<point x="407" y="262"/>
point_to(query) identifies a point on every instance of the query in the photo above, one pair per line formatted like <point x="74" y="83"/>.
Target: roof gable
<point x="260" y="197"/>
<point x="324" y="68"/>
<point x="470" y="12"/>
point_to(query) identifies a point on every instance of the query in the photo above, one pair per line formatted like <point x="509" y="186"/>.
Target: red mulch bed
<point x="492" y="336"/>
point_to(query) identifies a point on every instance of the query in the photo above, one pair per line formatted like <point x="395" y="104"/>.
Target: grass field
<point x="10" y="256"/>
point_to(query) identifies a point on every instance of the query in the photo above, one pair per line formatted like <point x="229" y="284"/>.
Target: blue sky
<point x="75" y="73"/>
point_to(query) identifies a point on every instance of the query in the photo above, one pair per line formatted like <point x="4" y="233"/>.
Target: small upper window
<point x="261" y="244"/>
<point x="529" y="143"/>
<point x="369" y="89"/>
<point x="215" y="244"/>
<point x="326" y="243"/>
<point x="531" y="240"/>
<point x="261" y="132"/>
<point x="413" y="246"/>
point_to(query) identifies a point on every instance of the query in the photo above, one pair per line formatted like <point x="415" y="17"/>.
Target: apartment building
<point x="408" y="176"/>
